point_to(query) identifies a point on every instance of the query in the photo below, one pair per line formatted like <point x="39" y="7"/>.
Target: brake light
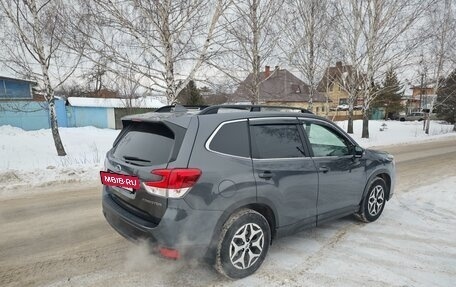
<point x="174" y="183"/>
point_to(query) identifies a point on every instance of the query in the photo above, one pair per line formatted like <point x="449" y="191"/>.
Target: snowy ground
<point x="28" y="158"/>
<point x="412" y="244"/>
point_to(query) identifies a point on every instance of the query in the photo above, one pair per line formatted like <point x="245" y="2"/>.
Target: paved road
<point x="61" y="238"/>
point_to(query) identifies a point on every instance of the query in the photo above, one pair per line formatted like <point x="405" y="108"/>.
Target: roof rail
<point x="251" y="108"/>
<point x="180" y="108"/>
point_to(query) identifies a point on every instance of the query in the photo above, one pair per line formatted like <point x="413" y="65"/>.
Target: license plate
<point x="127" y="182"/>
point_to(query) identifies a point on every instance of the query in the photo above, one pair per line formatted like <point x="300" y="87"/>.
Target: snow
<point x="397" y="132"/>
<point x="145" y="102"/>
<point x="28" y="158"/>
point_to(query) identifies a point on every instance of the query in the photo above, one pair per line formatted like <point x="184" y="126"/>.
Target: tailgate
<point x="141" y="148"/>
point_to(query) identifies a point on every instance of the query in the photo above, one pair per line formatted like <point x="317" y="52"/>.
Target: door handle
<point x="323" y="169"/>
<point x="265" y="174"/>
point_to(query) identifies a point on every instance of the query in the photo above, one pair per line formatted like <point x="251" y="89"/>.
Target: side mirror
<point x="359" y="151"/>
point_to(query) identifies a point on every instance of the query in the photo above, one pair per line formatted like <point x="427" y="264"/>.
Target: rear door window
<point x="231" y="139"/>
<point x="276" y="141"/>
<point x="145" y="144"/>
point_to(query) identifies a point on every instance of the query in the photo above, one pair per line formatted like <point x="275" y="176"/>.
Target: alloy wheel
<point x="246" y="246"/>
<point x="376" y="200"/>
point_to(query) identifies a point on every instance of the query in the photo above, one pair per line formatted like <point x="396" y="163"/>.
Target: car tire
<point x="374" y="202"/>
<point x="402" y="119"/>
<point x="246" y="232"/>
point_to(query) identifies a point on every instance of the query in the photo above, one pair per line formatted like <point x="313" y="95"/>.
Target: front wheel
<point x="373" y="204"/>
<point x="243" y="244"/>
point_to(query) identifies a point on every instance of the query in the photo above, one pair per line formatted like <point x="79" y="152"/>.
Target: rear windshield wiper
<point x="127" y="157"/>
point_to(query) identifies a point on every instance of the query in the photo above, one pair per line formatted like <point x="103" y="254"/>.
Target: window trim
<point x="214" y="133"/>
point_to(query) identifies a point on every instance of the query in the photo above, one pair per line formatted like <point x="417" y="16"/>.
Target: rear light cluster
<point x="174" y="183"/>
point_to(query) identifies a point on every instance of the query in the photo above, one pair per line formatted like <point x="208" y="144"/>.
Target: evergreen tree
<point x="390" y="95"/>
<point x="190" y="95"/>
<point x="446" y="99"/>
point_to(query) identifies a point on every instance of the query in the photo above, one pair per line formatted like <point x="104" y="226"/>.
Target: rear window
<point x="145" y="144"/>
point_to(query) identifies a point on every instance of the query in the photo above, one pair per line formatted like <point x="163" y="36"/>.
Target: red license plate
<point x="120" y="180"/>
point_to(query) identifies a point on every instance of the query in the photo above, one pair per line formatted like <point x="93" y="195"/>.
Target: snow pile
<point x="30" y="158"/>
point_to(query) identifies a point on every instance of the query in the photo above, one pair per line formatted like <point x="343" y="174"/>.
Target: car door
<point x="342" y="176"/>
<point x="283" y="171"/>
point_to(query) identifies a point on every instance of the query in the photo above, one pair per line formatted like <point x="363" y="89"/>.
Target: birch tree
<point x="251" y="31"/>
<point x="164" y="42"/>
<point x="306" y="27"/>
<point x="377" y="34"/>
<point x="33" y="49"/>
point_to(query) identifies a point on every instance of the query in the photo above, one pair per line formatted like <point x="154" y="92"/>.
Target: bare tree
<point x="306" y="27"/>
<point x="127" y="86"/>
<point x="375" y="35"/>
<point x="442" y="42"/>
<point x="164" y="42"/>
<point x="251" y="34"/>
<point x="33" y="49"/>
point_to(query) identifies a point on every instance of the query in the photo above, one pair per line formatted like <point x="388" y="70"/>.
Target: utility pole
<point x="422" y="91"/>
<point x="421" y="98"/>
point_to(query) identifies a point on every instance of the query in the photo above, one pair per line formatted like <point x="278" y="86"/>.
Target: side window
<point x="326" y="142"/>
<point x="275" y="141"/>
<point x="232" y="139"/>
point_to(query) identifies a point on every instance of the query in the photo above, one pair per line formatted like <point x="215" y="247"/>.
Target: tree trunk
<point x="454" y="127"/>
<point x="428" y="123"/>
<point x="365" y="133"/>
<point x="350" y="122"/>
<point x="55" y="130"/>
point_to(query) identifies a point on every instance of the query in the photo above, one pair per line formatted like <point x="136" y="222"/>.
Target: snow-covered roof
<point x="145" y="102"/>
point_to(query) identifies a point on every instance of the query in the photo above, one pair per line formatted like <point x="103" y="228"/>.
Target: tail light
<point x="174" y="183"/>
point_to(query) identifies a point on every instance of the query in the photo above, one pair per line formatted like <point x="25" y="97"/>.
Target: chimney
<point x="267" y="71"/>
<point x="276" y="68"/>
<point x="339" y="65"/>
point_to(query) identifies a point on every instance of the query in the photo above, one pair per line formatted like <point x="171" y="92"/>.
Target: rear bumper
<point x="187" y="230"/>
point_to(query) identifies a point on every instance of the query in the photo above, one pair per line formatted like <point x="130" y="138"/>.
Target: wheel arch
<point x="383" y="174"/>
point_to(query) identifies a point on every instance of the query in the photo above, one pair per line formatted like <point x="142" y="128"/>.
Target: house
<point x="336" y="81"/>
<point x="422" y="97"/>
<point x="21" y="107"/>
<point x="280" y="87"/>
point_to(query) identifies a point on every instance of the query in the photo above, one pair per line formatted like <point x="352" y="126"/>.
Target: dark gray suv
<point x="223" y="186"/>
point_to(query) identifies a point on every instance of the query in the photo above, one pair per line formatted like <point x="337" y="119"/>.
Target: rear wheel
<point x="373" y="204"/>
<point x="243" y="244"/>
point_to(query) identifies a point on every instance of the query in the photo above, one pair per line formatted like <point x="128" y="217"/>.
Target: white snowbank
<point x="29" y="157"/>
<point x="397" y="132"/>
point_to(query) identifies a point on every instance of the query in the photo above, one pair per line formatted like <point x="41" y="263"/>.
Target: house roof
<point x="277" y="85"/>
<point x="145" y="102"/>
